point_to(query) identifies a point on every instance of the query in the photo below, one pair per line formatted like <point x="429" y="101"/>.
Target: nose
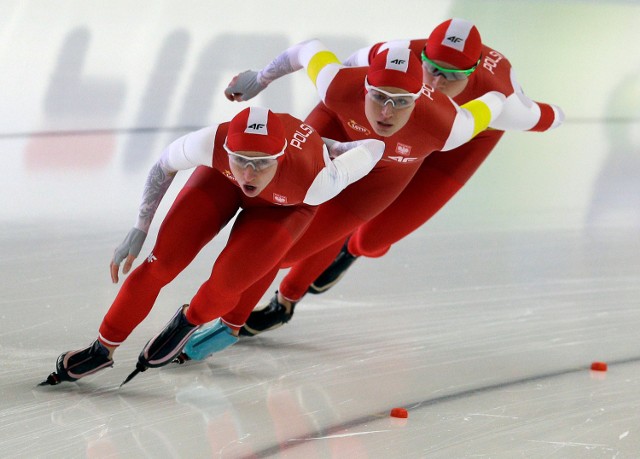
<point x="387" y="109"/>
<point x="249" y="173"/>
<point x="438" y="79"/>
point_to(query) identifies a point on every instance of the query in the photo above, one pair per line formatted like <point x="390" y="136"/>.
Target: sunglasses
<point x="398" y="101"/>
<point x="449" y="74"/>
<point x="258" y="163"/>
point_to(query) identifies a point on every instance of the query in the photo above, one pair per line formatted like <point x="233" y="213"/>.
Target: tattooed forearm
<point x="285" y="63"/>
<point x="279" y="67"/>
<point x="155" y="188"/>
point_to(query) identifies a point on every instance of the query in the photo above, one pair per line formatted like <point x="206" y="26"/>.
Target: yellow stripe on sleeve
<point x="481" y="115"/>
<point x="317" y="63"/>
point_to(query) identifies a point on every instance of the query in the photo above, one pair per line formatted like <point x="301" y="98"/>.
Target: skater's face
<point x="445" y="77"/>
<point x="388" y="108"/>
<point x="253" y="170"/>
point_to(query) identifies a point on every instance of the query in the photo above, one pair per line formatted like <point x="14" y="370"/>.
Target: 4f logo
<point x="454" y="39"/>
<point x="398" y="61"/>
<point x="151" y="258"/>
<point x="402" y="159"/>
<point x="256" y="126"/>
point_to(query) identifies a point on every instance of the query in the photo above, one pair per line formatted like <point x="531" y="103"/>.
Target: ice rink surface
<point x="483" y="324"/>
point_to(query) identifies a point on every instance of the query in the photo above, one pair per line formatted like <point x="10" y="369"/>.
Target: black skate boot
<point x="163" y="348"/>
<point x="271" y="317"/>
<point x="332" y="275"/>
<point x="74" y="365"/>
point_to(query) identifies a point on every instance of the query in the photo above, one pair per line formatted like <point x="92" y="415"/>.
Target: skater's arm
<point x="187" y="152"/>
<point x="312" y="55"/>
<point x="473" y="117"/>
<point x="520" y="113"/>
<point x="353" y="160"/>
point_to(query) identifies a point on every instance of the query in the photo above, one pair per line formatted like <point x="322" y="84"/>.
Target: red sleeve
<point x="547" y="115"/>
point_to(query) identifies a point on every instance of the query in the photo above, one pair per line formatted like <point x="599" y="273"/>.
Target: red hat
<point x="256" y="129"/>
<point x="396" y="67"/>
<point x="456" y="42"/>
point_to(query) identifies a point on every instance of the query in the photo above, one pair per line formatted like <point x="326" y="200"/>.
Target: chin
<point x="388" y="132"/>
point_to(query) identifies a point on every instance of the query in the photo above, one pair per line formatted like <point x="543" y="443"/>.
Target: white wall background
<point x="122" y="78"/>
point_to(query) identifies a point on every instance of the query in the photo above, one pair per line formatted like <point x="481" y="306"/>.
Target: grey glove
<point x="244" y="86"/>
<point x="337" y="148"/>
<point x="131" y="245"/>
<point x="330" y="143"/>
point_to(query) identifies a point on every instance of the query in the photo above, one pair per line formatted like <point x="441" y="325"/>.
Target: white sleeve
<point x="312" y="55"/>
<point x="346" y="169"/>
<point x="360" y="58"/>
<point x="394" y="44"/>
<point x="520" y="113"/>
<point x="473" y="117"/>
<point x="190" y="150"/>
<point x="290" y="60"/>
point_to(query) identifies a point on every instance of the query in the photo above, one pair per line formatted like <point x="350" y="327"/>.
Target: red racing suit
<point x="263" y="231"/>
<point x="443" y="174"/>
<point x="436" y="123"/>
<point x="439" y="176"/>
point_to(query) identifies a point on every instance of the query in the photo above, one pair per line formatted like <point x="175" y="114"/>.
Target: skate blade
<point x="130" y="377"/>
<point x="139" y="369"/>
<point x="181" y="359"/>
<point x="52" y="380"/>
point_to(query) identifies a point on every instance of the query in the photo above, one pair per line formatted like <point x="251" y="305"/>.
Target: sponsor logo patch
<point x="280" y="199"/>
<point x="356" y="127"/>
<point x="227" y="173"/>
<point x="402" y="159"/>
<point x="403" y="149"/>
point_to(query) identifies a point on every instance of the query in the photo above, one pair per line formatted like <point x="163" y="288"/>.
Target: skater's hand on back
<point x="127" y="251"/>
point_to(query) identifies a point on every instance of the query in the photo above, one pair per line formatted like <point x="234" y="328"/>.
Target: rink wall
<point x="100" y="87"/>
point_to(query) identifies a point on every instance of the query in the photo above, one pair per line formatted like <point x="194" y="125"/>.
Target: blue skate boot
<point x="207" y="341"/>
<point x="74" y="365"/>
<point x="166" y="345"/>
<point x="274" y="315"/>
